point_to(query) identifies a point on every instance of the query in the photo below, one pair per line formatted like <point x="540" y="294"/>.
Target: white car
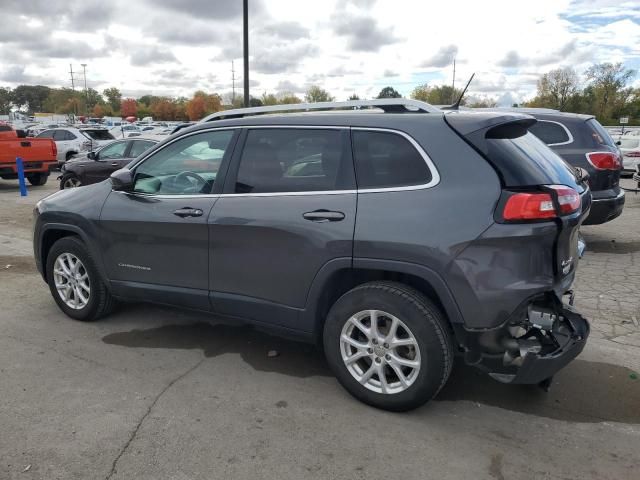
<point x="125" y="131"/>
<point x="630" y="149"/>
<point x="70" y="141"/>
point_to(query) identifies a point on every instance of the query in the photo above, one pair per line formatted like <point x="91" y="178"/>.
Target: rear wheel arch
<point x="328" y="287"/>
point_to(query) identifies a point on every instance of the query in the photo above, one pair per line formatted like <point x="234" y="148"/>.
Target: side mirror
<point x="122" y="180"/>
<point x="92" y="155"/>
<point x="21" y="134"/>
<point x="618" y="143"/>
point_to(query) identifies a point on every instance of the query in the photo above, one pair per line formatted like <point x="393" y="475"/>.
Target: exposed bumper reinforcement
<point x="569" y="336"/>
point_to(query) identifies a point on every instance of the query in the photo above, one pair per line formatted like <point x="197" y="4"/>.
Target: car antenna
<point x="456" y="105"/>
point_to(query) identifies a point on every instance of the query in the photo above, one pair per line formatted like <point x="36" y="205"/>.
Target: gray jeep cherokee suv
<point x="393" y="234"/>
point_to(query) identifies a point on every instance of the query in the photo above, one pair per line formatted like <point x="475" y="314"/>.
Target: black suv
<point x="582" y="142"/>
<point x="393" y="234"/>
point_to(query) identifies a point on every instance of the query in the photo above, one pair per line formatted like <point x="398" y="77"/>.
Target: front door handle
<point x="323" y="216"/>
<point x="115" y="164"/>
<point x="188" y="212"/>
<point x="25" y="144"/>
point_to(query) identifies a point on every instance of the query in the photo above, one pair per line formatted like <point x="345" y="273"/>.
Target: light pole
<point x="245" y="24"/>
<point x="86" y="92"/>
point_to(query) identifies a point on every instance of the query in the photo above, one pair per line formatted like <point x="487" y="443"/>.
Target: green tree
<point x="353" y="96"/>
<point x="288" y="98"/>
<point x="483" y="103"/>
<point x="93" y="98"/>
<point x="389" y="92"/>
<point x="5" y="100"/>
<point x="437" y="95"/>
<point x="269" y="99"/>
<point x="609" y="81"/>
<point x="317" y="94"/>
<point x="114" y="98"/>
<point x="30" y="98"/>
<point x="555" y="88"/>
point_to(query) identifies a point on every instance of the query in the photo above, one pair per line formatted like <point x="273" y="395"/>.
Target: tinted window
<point x="527" y="161"/>
<point x="113" y="150"/>
<point x="599" y="135"/>
<point x="46" y="134"/>
<point x="138" y="147"/>
<point x="549" y="132"/>
<point x="294" y="160"/>
<point x="68" y="135"/>
<point x="187" y="166"/>
<point x="59" y="135"/>
<point x="98" y="134"/>
<point x="385" y="159"/>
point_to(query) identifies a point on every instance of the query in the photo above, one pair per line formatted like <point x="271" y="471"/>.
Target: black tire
<point x="38" y="179"/>
<point x="427" y="324"/>
<point x="100" y="301"/>
<point x="66" y="178"/>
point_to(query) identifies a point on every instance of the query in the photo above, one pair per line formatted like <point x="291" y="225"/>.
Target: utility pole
<point x="453" y="84"/>
<point x="86" y="92"/>
<point x="73" y="88"/>
<point x="233" y="84"/>
<point x="245" y="22"/>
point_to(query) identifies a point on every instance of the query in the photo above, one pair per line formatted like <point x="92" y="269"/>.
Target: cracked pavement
<point x="158" y="393"/>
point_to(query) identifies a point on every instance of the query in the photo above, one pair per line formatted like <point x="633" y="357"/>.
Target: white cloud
<point x="175" y="47"/>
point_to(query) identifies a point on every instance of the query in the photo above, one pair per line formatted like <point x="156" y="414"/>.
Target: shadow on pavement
<point x="582" y="392"/>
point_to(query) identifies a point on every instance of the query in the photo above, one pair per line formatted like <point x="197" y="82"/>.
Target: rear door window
<point x="46" y="134"/>
<point x="98" y="134"/>
<point x="551" y="133"/>
<point x="138" y="147"/>
<point x="386" y="160"/>
<point x="294" y="160"/>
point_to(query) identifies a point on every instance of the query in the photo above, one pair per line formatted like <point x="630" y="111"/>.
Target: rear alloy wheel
<point x="69" y="181"/>
<point x="38" y="179"/>
<point x="388" y="345"/>
<point x="380" y="351"/>
<point x="74" y="281"/>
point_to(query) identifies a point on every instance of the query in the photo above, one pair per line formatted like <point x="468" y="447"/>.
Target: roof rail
<point x="388" y="105"/>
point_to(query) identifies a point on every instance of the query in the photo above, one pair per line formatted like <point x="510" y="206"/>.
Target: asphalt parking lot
<point x="157" y="393"/>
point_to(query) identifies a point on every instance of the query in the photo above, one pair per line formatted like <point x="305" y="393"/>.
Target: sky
<point x="175" y="47"/>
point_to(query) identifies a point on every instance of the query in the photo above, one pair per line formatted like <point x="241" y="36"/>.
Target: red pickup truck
<point x="38" y="155"/>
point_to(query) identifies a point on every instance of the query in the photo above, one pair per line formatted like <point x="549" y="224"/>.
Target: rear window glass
<point x="550" y="133"/>
<point x="46" y="134"/>
<point x="98" y="134"/>
<point x="629" y="142"/>
<point x="385" y="159"/>
<point x="599" y="135"/>
<point x="526" y="161"/>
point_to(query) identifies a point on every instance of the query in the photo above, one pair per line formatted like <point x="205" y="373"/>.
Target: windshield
<point x="98" y="134"/>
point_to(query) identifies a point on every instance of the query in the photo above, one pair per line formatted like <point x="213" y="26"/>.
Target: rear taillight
<point x="604" y="160"/>
<point x="568" y="199"/>
<point x="54" y="149"/>
<point x="524" y="206"/>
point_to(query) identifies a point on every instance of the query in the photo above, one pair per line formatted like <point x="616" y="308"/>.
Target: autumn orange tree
<point x="98" y="111"/>
<point x="203" y="104"/>
<point x="129" y="107"/>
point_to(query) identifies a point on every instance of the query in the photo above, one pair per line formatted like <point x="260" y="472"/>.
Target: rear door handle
<point x="25" y="144"/>
<point x="188" y="212"/>
<point x="323" y="216"/>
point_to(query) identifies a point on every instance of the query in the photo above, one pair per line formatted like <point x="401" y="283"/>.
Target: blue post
<point x="23" y="186"/>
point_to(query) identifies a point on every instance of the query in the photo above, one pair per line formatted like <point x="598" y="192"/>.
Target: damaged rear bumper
<point x="534" y="348"/>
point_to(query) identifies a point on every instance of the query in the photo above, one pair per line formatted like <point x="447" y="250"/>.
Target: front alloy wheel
<point x="380" y="352"/>
<point x="71" y="182"/>
<point x="72" y="281"/>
